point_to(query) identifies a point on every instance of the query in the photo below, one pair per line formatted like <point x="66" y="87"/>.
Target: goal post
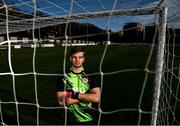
<point x="159" y="63"/>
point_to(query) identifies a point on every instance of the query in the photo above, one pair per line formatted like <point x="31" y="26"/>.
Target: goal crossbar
<point x="24" y="25"/>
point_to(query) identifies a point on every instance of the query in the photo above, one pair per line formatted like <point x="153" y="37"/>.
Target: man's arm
<point x="63" y="100"/>
<point x="93" y="96"/>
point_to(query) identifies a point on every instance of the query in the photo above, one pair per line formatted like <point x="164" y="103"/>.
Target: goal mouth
<point x="132" y="50"/>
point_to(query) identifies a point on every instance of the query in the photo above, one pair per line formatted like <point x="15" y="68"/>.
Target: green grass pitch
<point x="120" y="90"/>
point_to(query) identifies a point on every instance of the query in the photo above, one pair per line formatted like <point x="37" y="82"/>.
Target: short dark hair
<point x="77" y="49"/>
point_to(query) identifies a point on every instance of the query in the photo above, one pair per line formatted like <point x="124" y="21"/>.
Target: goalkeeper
<point x="78" y="91"/>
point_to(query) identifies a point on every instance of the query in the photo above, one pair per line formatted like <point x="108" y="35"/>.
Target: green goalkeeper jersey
<point x="79" y="82"/>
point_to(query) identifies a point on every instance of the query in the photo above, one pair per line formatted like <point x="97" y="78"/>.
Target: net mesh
<point x="120" y="50"/>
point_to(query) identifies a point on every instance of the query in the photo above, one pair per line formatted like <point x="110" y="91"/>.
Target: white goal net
<point x="133" y="46"/>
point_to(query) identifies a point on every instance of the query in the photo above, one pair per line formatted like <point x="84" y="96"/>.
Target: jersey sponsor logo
<point x="81" y="90"/>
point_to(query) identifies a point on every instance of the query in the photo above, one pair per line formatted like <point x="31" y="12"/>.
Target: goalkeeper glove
<point x="72" y="94"/>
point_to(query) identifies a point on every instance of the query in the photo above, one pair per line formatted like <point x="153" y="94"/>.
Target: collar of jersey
<point x="76" y="73"/>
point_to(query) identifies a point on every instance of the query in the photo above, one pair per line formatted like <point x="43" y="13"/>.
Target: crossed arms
<point x="93" y="96"/>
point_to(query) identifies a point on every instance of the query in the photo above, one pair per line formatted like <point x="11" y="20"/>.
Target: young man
<point x="78" y="91"/>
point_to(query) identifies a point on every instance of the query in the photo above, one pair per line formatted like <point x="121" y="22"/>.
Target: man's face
<point x="77" y="59"/>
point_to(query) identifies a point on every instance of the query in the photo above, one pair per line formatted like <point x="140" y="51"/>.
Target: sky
<point x="63" y="7"/>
